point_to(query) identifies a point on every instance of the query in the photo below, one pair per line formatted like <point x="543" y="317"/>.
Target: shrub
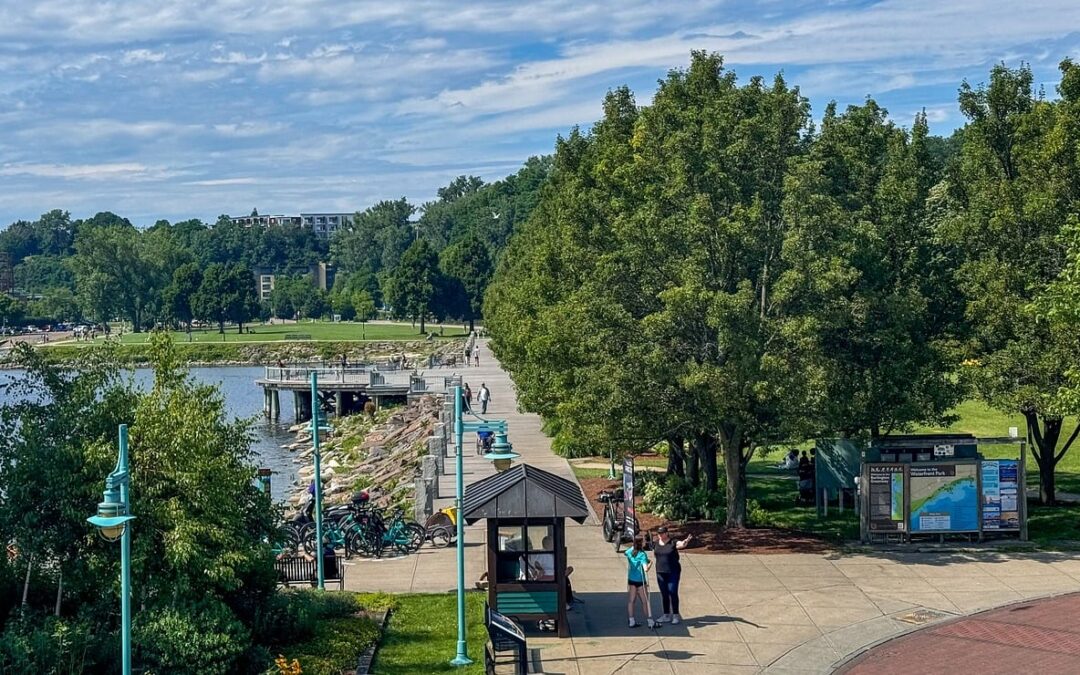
<point x="46" y="644"/>
<point x="673" y="498"/>
<point x="202" y="638"/>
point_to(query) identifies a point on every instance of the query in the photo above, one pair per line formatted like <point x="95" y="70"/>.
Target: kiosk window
<point x="525" y="553"/>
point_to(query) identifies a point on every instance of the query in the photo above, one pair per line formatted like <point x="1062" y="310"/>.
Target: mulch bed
<point x="714" y="538"/>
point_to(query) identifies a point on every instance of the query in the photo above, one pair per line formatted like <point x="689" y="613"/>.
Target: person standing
<point x="484" y="396"/>
<point x="468" y="353"/>
<point x="637" y="580"/>
<point x="668" y="571"/>
<point x="476" y="356"/>
<point x="468" y="397"/>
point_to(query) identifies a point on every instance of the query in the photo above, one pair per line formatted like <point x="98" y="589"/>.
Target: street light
<point x="113" y="516"/>
<point x="502" y="454"/>
<point x="460" y="427"/>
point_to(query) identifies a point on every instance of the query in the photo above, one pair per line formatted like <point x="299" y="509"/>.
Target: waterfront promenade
<point x="781" y="614"/>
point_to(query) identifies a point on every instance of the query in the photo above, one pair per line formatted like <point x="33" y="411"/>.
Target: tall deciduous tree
<point x="1015" y="188"/>
<point x="653" y="278"/>
<point x="873" y="274"/>
<point x="377" y="239"/>
<point x="179" y="295"/>
<point x="226" y="293"/>
<point x="412" y="286"/>
<point x="469" y="261"/>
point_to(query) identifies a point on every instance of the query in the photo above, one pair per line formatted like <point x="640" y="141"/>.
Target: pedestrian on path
<point x="476" y="356"/>
<point x="468" y="353"/>
<point x="484" y="396"/>
<point x="468" y="397"/>
<point x="668" y="571"/>
<point x="637" y="581"/>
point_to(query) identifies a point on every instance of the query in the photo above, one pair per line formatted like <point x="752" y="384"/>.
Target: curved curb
<point x="367" y="658"/>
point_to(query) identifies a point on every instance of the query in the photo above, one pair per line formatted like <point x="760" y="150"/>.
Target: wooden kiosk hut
<point x="526" y="511"/>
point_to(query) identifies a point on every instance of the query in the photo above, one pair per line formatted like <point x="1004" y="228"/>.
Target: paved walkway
<point x="783" y="614"/>
<point x="1030" y="637"/>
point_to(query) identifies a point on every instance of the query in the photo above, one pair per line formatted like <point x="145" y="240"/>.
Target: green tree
<point x="35" y="274"/>
<point x="412" y="285"/>
<point x="180" y="294"/>
<point x="226" y="293"/>
<point x="468" y="261"/>
<point x="377" y="240"/>
<point x="1014" y="189"/>
<point x="871" y="271"/>
<point x="648" y="295"/>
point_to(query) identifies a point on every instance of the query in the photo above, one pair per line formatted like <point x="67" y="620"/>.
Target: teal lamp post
<point x="317" y="461"/>
<point x="113" y="516"/>
<point x="502" y="454"/>
<point x="460" y="427"/>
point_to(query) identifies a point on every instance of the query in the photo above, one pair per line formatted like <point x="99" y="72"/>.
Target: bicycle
<point x="614" y="518"/>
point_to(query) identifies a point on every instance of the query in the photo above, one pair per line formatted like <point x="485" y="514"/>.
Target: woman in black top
<point x="668" y="570"/>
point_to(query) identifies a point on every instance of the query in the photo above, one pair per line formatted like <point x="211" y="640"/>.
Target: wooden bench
<point x="298" y="571"/>
<point x="297" y="336"/>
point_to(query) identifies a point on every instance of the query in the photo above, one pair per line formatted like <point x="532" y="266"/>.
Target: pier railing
<point x="368" y="375"/>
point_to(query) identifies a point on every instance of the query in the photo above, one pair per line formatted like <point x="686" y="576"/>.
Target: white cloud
<point x="126" y="170"/>
<point x="142" y="56"/>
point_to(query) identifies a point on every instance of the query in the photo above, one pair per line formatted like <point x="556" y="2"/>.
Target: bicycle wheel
<point x="441" y="537"/>
<point x="418" y="534"/>
<point x="609" y="526"/>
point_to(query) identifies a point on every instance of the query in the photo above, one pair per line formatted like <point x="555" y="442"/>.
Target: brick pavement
<point x="1040" y="636"/>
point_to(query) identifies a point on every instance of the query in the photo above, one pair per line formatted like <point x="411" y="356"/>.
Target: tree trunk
<point x="1044" y="447"/>
<point x="239" y="326"/>
<point x="472" y="324"/>
<point x="692" y="466"/>
<point x="705" y="448"/>
<point x="221" y="326"/>
<point x="422" y="317"/>
<point x="731" y="441"/>
<point x="675" y="461"/>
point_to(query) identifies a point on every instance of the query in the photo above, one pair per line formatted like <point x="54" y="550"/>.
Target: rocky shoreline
<point x="380" y="454"/>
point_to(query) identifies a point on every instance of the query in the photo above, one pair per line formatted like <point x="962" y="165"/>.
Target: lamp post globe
<point x="502" y="454"/>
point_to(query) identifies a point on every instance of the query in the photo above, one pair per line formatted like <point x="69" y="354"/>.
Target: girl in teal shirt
<point x="637" y="581"/>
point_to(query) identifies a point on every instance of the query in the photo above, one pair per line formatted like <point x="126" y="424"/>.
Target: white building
<point x="326" y="224"/>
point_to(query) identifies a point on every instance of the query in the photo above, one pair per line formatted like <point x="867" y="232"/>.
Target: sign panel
<point x="506" y="625"/>
<point x="629" y="515"/>
<point x="887" y="498"/>
<point x="944" y="498"/>
<point x="1000" y="488"/>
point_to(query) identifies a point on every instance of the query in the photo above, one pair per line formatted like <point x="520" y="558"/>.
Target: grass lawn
<point x="422" y="635"/>
<point x="318" y="330"/>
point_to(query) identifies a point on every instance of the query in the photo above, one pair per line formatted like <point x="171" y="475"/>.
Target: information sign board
<point x="944" y="497"/>
<point x="1000" y="495"/>
<point x="886" y="512"/>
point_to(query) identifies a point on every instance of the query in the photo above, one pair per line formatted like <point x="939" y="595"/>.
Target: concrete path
<point x="784" y="614"/>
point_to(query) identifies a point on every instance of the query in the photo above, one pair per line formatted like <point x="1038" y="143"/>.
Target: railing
<point x="374" y="376"/>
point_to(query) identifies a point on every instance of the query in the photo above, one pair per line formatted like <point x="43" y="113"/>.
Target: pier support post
<point x="266" y="402"/>
<point x="275" y="404"/>
<point x="339" y="403"/>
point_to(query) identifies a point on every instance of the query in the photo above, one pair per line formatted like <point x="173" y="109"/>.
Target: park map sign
<point x="944" y="497"/>
<point x="1000" y="495"/>
<point x="887" y="498"/>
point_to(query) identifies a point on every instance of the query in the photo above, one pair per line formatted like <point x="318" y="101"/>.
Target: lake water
<point x="244" y="399"/>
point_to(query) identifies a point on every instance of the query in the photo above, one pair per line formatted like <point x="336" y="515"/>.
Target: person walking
<point x="484" y="396"/>
<point x="476" y="356"/>
<point x="468" y="397"/>
<point x="637" y="581"/>
<point x="468" y="353"/>
<point x="668" y="571"/>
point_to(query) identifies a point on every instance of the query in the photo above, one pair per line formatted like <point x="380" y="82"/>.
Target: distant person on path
<point x="484" y="397"/>
<point x="468" y="397"/>
<point x="668" y="571"/>
<point x="468" y="353"/>
<point x="476" y="356"/>
<point x="637" y="581"/>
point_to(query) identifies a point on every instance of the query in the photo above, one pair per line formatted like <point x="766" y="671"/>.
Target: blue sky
<point x="194" y="108"/>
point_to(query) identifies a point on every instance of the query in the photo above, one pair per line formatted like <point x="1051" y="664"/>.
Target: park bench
<point x="298" y="571"/>
<point x="297" y="336"/>
<point x="506" y="651"/>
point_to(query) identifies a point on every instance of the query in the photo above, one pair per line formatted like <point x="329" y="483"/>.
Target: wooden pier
<point x="343" y="390"/>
